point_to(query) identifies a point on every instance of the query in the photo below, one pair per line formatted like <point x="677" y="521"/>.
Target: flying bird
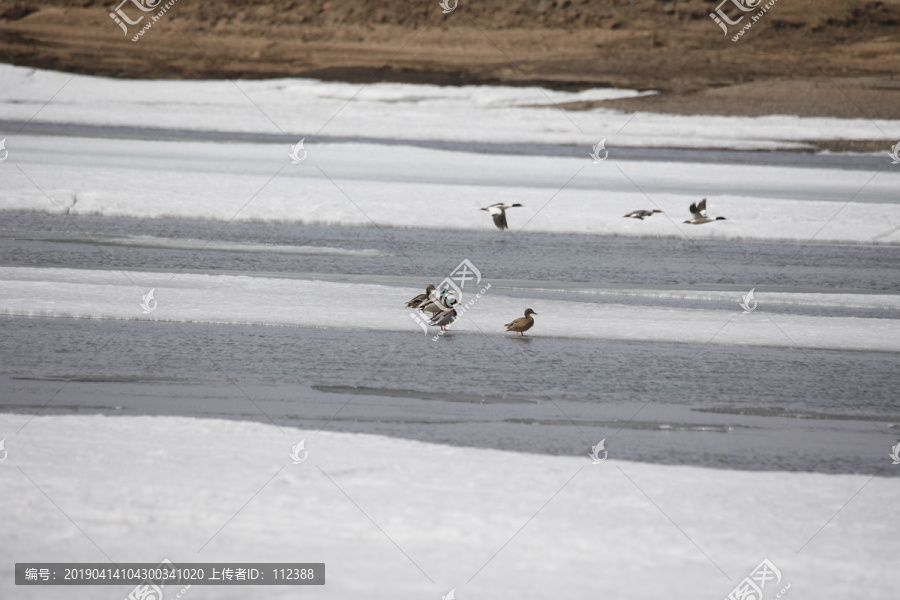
<point x="700" y="216"/>
<point x="415" y="302"/>
<point x="522" y="324"/>
<point x="642" y="214"/>
<point x="498" y="211"/>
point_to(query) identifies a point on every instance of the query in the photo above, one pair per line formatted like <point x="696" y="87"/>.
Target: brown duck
<point x="522" y="324"/>
<point x="418" y="300"/>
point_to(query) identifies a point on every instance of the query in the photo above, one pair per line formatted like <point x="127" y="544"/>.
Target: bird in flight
<point x="642" y="214"/>
<point x="498" y="212"/>
<point x="700" y="216"/>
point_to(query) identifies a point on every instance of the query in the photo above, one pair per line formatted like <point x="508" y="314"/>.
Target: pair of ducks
<point x="441" y="304"/>
<point x="697" y="209"/>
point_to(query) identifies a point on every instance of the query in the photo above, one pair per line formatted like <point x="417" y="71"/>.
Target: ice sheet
<point x="420" y="519"/>
<point x="74" y="293"/>
<point x="397" y="186"/>
<point x="404" y="111"/>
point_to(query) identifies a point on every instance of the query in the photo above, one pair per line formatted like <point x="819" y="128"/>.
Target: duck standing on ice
<point x="444" y="318"/>
<point x="700" y="216"/>
<point x="436" y="301"/>
<point x="522" y="324"/>
<point x="418" y="300"/>
<point x="498" y="211"/>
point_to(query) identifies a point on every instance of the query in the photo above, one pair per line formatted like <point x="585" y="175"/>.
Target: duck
<point x="444" y="318"/>
<point x="700" y="216"/>
<point x="642" y="214"/>
<point x="439" y="302"/>
<point x="498" y="211"/>
<point x="522" y="324"/>
<point x="415" y="302"/>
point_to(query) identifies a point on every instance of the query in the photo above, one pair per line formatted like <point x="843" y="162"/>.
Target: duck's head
<point x="528" y="311"/>
<point x="514" y="205"/>
<point x="721" y="219"/>
<point x="429" y="289"/>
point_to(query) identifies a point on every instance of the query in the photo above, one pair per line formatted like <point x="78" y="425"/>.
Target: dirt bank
<point x="805" y="57"/>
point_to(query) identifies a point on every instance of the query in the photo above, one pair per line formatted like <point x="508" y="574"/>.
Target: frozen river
<point x="162" y="427"/>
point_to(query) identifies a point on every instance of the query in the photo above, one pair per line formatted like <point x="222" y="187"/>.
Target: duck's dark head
<point x="721" y="219"/>
<point x="514" y="205"/>
<point x="429" y="289"/>
<point x="528" y="311"/>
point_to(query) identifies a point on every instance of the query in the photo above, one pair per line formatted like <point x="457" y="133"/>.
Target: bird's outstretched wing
<point x="699" y="209"/>
<point x="500" y="220"/>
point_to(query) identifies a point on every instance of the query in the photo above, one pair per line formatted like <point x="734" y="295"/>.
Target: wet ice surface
<point x="725" y="407"/>
<point x="32" y="239"/>
<point x="761" y="408"/>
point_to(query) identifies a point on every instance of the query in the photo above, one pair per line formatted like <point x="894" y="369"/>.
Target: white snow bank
<point x="75" y="293"/>
<point x="396" y="186"/>
<point x="394" y="110"/>
<point x="419" y="519"/>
